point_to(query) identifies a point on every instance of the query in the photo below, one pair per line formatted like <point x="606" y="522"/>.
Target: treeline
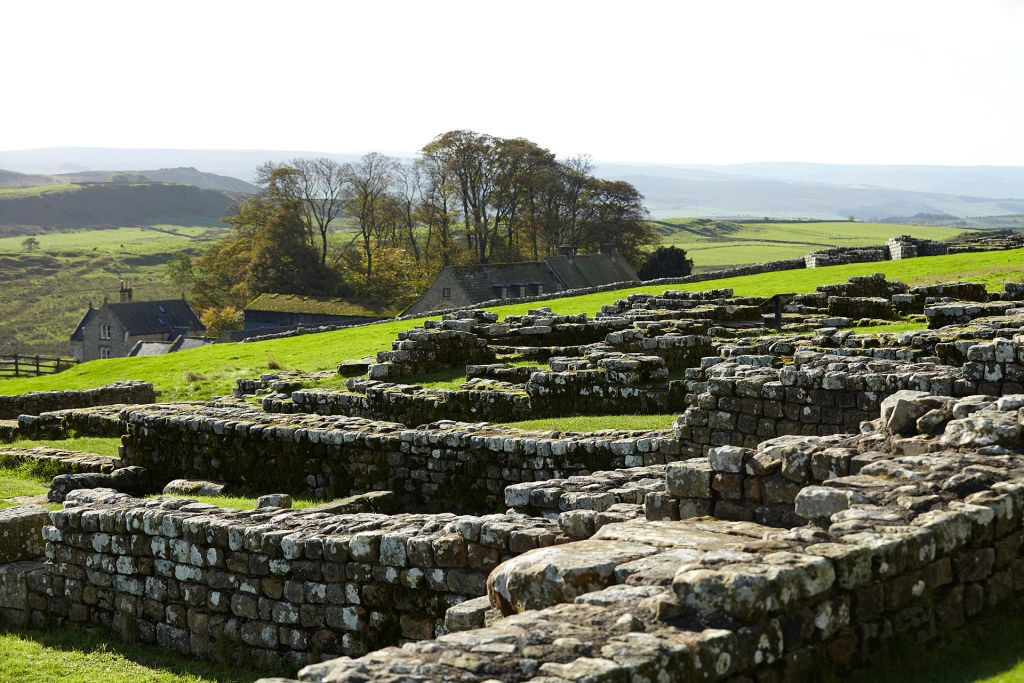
<point x="466" y="198"/>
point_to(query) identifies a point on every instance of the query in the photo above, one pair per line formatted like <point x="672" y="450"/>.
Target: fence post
<point x="16" y="374"/>
<point x="37" y="366"/>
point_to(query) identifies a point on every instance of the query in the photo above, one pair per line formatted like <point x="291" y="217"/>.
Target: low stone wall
<point x="962" y="312"/>
<point x="55" y="461"/>
<point x="273" y="586"/>
<point x="819" y="394"/>
<point x="336" y="456"/>
<point x="58" y="424"/>
<point x="36" y="402"/>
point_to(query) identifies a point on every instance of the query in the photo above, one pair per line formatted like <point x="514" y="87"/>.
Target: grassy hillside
<point x="211" y="370"/>
<point x="714" y="244"/>
<point x="44" y="293"/>
<point x="49" y="208"/>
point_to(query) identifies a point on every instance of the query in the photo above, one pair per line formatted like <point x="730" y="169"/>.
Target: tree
<point x="665" y="262"/>
<point x="30" y="244"/>
<point x="370" y="180"/>
<point x="219" y="320"/>
<point x="268" y="251"/>
<point x="319" y="186"/>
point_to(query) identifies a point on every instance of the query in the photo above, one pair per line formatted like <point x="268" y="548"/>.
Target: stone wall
<point x="819" y="394"/>
<point x="37" y="402"/>
<point x="270" y="586"/>
<point x="338" y="456"/>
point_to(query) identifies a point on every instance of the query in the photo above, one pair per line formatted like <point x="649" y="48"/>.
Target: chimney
<point x="567" y="251"/>
<point x="608" y="250"/>
<point x="125" y="293"/>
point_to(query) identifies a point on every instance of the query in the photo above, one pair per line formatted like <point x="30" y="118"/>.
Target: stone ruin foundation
<point x="822" y="495"/>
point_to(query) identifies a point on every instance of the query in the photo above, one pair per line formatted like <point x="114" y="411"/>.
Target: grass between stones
<point x="592" y="423"/>
<point x="15" y="483"/>
<point x="106" y="446"/>
<point x="78" y="656"/>
<point x="240" y="501"/>
<point x="212" y="370"/>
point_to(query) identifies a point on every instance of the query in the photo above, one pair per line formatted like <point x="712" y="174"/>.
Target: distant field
<point x="714" y="244"/>
<point x="212" y="370"/>
<point x="44" y="293"/>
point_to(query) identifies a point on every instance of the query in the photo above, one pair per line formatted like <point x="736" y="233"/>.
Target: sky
<point x="682" y="82"/>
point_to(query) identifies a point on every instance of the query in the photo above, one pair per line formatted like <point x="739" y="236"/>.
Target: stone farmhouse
<point x="458" y="286"/>
<point x="269" y="313"/>
<point x="114" y="329"/>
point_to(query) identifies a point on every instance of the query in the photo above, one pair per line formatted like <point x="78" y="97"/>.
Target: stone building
<point x="113" y="329"/>
<point x="458" y="286"/>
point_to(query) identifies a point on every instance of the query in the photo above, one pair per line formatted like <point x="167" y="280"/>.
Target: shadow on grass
<point x="104" y="644"/>
<point x="987" y="650"/>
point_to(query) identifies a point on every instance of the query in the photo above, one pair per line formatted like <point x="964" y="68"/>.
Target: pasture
<point x="715" y="244"/>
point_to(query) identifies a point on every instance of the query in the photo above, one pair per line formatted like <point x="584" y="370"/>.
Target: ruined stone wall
<point x="819" y="394"/>
<point x="908" y="547"/>
<point x="270" y="584"/>
<point x="95" y="421"/>
<point x="448" y="465"/>
<point x="37" y="402"/>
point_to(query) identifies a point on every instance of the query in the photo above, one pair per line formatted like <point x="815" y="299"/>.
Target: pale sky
<point x="714" y="81"/>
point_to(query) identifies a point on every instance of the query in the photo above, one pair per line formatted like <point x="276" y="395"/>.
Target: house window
<point x="446" y="293"/>
<point x="105" y="350"/>
<point x="104" y="331"/>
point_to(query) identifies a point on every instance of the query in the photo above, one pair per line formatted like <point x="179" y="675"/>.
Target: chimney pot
<point x="568" y="251"/>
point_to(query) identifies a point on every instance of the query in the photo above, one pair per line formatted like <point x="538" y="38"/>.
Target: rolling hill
<point x="64" y="207"/>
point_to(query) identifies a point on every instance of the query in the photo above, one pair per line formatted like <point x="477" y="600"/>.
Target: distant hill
<point x="78" y="206"/>
<point x="185" y="175"/>
<point x="13" y="179"/>
<point x="671" y="191"/>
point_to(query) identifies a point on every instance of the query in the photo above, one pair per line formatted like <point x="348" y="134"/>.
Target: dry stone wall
<point x="37" y="402"/>
<point x="271" y="584"/>
<point x="337" y="456"/>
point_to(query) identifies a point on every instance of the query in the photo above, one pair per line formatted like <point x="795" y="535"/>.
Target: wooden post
<point x="16" y="366"/>
<point x="37" y="366"/>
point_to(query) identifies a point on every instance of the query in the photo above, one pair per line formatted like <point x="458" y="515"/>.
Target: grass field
<point x="211" y="370"/>
<point x="714" y="244"/>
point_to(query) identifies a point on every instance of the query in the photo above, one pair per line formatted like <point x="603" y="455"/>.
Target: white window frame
<point x="104" y="352"/>
<point x="105" y="331"/>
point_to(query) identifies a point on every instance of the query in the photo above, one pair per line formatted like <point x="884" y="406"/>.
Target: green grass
<point x="78" y="656"/>
<point x="15" y="483"/>
<point x="239" y="502"/>
<point x="86" y="444"/>
<point x="720" y="243"/>
<point x="988" y="651"/>
<point x="213" y="369"/>
<point x="593" y="423"/>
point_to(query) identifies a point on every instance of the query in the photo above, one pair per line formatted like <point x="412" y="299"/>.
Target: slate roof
<point x="317" y="305"/>
<point x="477" y="281"/>
<point x="155" y="317"/>
<point x="591" y="270"/>
<point x="78" y="334"/>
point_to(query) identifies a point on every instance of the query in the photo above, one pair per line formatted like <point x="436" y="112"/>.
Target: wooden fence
<point x="32" y="366"/>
